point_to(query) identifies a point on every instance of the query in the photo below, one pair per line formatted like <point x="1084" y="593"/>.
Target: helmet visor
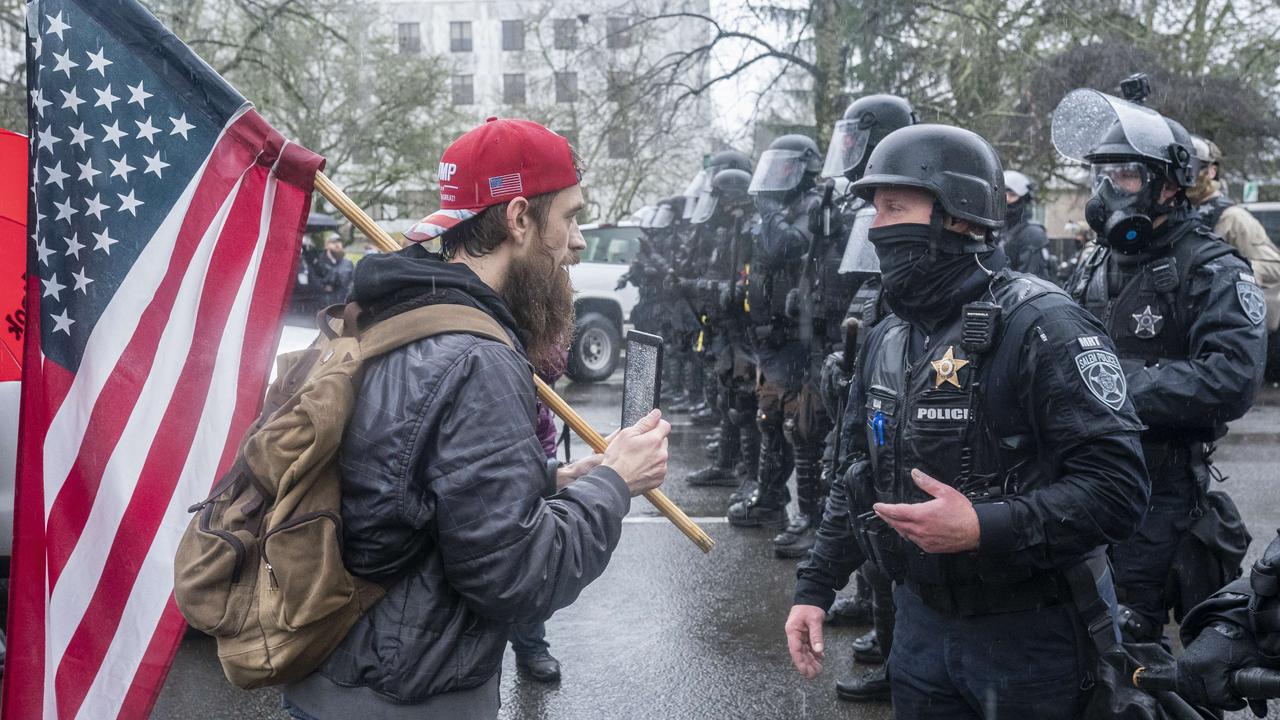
<point x="859" y="254"/>
<point x="1085" y="118"/>
<point x="663" y="217"/>
<point x="1125" y="178"/>
<point x="645" y="216"/>
<point x="847" y="149"/>
<point x="777" y="171"/>
<point x="705" y="208"/>
<point x="699" y="186"/>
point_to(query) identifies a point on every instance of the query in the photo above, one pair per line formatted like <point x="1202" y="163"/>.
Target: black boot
<point x="541" y="667"/>
<point x="871" y="687"/>
<point x="749" y="469"/>
<point x="767" y="506"/>
<point x="703" y="415"/>
<point x="721" y="474"/>
<point x="795" y="541"/>
<point x="714" y="476"/>
<point x="866" y="649"/>
<point x="850" y="610"/>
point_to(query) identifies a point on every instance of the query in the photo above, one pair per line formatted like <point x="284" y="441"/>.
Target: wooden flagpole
<point x="549" y="397"/>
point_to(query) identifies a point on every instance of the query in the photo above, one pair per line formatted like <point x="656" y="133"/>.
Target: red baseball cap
<point x="496" y="162"/>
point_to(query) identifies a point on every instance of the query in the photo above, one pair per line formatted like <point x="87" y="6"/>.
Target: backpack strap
<point x="426" y="321"/>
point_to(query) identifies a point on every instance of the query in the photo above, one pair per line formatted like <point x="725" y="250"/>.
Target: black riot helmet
<point x="959" y="167"/>
<point x="728" y="192"/>
<point x="866" y="122"/>
<point x="789" y="167"/>
<point x="668" y="210"/>
<point x="699" y="188"/>
<point x="1132" y="151"/>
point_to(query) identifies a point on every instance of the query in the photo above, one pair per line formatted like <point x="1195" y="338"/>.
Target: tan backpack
<point x="260" y="565"/>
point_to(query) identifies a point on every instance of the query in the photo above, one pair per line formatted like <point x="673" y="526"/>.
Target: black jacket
<point x="443" y="497"/>
<point x="1092" y="486"/>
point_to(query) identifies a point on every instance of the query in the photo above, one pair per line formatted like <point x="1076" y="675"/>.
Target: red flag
<point x="13" y="250"/>
<point x="165" y="227"/>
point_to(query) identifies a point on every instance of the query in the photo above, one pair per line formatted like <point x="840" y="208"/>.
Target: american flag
<point x="165" y="217"/>
<point x="505" y="185"/>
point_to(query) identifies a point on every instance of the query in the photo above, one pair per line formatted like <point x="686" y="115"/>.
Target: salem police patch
<point x="1251" y="300"/>
<point x="1103" y="376"/>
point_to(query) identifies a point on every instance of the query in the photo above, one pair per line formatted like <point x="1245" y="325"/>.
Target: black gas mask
<point x="1125" y="202"/>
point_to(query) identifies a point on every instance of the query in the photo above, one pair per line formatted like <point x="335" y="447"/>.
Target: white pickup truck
<point x="602" y="309"/>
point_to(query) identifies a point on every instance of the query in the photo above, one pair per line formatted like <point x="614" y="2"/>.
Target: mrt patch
<point x="1103" y="376"/>
<point x="1251" y="299"/>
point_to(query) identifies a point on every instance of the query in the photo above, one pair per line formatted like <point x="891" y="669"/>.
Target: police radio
<point x="978" y="326"/>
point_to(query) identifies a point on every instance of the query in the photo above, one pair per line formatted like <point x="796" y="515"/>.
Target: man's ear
<point x="520" y="225"/>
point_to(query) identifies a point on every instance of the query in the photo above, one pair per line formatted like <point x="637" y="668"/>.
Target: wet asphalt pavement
<point x="668" y="632"/>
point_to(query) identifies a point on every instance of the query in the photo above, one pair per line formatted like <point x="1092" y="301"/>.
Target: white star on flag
<point x="87" y="171"/>
<point x="56" y="176"/>
<point x="62" y="322"/>
<point x="122" y="167"/>
<point x="71" y="100"/>
<point x="37" y="99"/>
<point x="106" y="98"/>
<point x="180" y="126"/>
<point x="139" y="95"/>
<point x="79" y="136"/>
<point x="98" y="62"/>
<point x="155" y="164"/>
<point x="65" y="211"/>
<point x="56" y="26"/>
<point x="74" y="246"/>
<point x="82" y="281"/>
<point x="104" y="241"/>
<point x="43" y="251"/>
<point x="129" y="202"/>
<point x="64" y="63"/>
<point x="38" y="43"/>
<point x="48" y="139"/>
<point x="114" y="133"/>
<point x="53" y="287"/>
<point x="146" y="130"/>
<point x="95" y="206"/>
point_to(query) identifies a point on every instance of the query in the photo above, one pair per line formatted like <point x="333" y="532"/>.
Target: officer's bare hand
<point x="566" y="474"/>
<point x="639" y="453"/>
<point x="804" y="638"/>
<point x="946" y="524"/>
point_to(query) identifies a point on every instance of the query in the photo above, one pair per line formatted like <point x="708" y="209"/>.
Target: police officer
<point x="726" y="210"/>
<point x="789" y="413"/>
<point x="1023" y="241"/>
<point x="1184" y="312"/>
<point x="679" y="322"/>
<point x="866" y="122"/>
<point x="992" y="453"/>
<point x="1238" y="627"/>
<point x="646" y="272"/>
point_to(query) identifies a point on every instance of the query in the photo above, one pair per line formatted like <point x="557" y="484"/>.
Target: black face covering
<point x="1013" y="214"/>
<point x="916" y="287"/>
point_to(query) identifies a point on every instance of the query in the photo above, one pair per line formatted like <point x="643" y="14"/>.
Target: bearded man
<point x="448" y="499"/>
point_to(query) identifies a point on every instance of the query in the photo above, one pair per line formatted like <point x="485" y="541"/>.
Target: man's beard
<point x="540" y="296"/>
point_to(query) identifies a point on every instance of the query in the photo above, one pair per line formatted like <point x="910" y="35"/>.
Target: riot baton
<point x="1250" y="683"/>
<point x="557" y="404"/>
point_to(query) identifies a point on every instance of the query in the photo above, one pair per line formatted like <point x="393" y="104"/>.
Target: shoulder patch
<point x="1251" y="301"/>
<point x="1103" y="376"/>
<point x="1089" y="342"/>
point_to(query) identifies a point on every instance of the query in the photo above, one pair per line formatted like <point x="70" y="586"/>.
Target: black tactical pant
<point x="793" y="430"/>
<point x="1142" y="563"/>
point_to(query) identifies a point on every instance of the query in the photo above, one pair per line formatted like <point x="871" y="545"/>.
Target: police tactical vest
<point x="1144" y="308"/>
<point x="771" y="282"/>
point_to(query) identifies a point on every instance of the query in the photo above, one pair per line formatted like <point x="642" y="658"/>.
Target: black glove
<point x="1204" y="670"/>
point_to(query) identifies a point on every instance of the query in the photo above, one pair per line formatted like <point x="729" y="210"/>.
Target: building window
<point x="464" y="90"/>
<point x="566" y="87"/>
<point x="566" y="34"/>
<point x="513" y="88"/>
<point x="460" y="36"/>
<point x="619" y="29"/>
<point x="619" y="84"/>
<point x="512" y="34"/>
<point x="409" y="38"/>
<point x="619" y="144"/>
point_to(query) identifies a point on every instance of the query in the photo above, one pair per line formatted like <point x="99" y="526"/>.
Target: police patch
<point x="1251" y="301"/>
<point x="1103" y="376"/>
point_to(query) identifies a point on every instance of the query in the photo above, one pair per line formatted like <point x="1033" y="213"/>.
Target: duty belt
<point x="972" y="599"/>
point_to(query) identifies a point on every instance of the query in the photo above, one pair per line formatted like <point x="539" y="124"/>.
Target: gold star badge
<point x="947" y="368"/>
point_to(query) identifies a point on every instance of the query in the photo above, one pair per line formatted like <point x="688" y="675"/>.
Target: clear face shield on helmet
<point x="777" y="171"/>
<point x="705" y="209"/>
<point x="859" y="254"/>
<point x="848" y="148"/>
<point x="1085" y="118"/>
<point x="644" y="216"/>
<point x="663" y="217"/>
<point x="698" y="187"/>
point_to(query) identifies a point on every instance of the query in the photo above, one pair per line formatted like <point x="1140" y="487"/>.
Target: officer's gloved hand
<point x="622" y="282"/>
<point x="1204" y="670"/>
<point x="792" y="306"/>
